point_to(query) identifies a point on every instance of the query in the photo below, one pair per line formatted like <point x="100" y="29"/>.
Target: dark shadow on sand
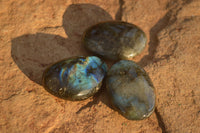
<point x="33" y="53"/>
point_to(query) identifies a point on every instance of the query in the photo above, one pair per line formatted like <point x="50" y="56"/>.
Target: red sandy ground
<point x="37" y="33"/>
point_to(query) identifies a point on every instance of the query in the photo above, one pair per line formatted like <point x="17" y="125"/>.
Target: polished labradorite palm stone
<point x="115" y="40"/>
<point x="130" y="90"/>
<point x="75" y="78"/>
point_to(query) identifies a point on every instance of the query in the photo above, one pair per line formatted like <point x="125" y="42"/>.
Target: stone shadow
<point x="33" y="53"/>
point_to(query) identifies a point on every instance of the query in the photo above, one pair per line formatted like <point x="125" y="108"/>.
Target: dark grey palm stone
<point x="130" y="90"/>
<point x="115" y="40"/>
<point x="75" y="78"/>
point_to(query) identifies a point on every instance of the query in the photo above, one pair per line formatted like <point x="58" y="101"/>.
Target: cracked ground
<point x="37" y="33"/>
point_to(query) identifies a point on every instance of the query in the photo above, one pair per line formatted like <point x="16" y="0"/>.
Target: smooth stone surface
<point x="130" y="90"/>
<point x="115" y="40"/>
<point x="75" y="78"/>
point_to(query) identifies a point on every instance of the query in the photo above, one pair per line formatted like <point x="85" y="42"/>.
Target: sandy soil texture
<point x="37" y="33"/>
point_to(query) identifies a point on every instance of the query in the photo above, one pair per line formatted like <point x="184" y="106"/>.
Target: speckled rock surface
<point x="37" y="33"/>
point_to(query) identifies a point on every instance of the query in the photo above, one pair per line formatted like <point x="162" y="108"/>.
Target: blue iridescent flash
<point x="75" y="78"/>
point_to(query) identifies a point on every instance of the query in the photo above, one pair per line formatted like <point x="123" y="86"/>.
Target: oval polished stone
<point x="75" y="78"/>
<point x="130" y="90"/>
<point x="115" y="40"/>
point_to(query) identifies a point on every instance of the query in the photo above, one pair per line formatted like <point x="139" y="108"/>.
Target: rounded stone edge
<point x="96" y="89"/>
<point x="149" y="79"/>
<point x="115" y="21"/>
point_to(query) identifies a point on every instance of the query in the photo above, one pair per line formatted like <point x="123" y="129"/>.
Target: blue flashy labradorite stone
<point x="115" y="40"/>
<point x="75" y="78"/>
<point x="130" y="90"/>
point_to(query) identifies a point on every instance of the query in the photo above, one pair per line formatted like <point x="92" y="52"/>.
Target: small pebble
<point x="130" y="90"/>
<point x="76" y="78"/>
<point x="115" y="40"/>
